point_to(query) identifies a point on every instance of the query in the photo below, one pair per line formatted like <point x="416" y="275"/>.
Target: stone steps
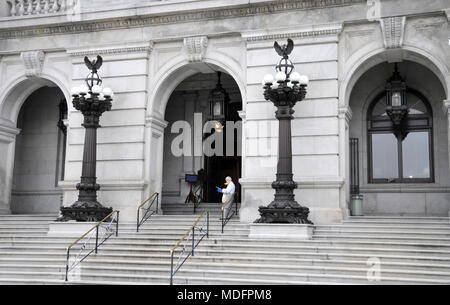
<point x="234" y="263"/>
<point x="326" y="254"/>
<point x="219" y="241"/>
<point x="245" y="270"/>
<point x="412" y="250"/>
<point x="191" y="275"/>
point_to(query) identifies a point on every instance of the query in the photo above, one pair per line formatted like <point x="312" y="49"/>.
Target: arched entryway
<point x="190" y="103"/>
<point x="40" y="153"/>
<point x="406" y="173"/>
<point x="33" y="114"/>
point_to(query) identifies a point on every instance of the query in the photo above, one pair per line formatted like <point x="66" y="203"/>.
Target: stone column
<point x="154" y="150"/>
<point x="345" y="115"/>
<point x="8" y="135"/>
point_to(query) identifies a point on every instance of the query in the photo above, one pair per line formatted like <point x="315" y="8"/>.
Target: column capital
<point x="156" y="124"/>
<point x="8" y="132"/>
<point x="346" y="113"/>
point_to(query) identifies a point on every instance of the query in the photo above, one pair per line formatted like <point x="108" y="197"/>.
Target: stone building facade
<point x="161" y="58"/>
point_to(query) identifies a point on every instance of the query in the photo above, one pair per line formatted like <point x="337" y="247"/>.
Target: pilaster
<point x="8" y="135"/>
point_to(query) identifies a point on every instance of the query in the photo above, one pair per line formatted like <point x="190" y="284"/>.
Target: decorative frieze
<point x="393" y="29"/>
<point x="200" y="15"/>
<point x="33" y="62"/>
<point x="196" y="48"/>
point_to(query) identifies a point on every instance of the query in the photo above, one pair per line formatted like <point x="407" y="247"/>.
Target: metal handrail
<point x="226" y="218"/>
<point x="97" y="243"/>
<point x="148" y="211"/>
<point x="189" y="233"/>
<point x="198" y="198"/>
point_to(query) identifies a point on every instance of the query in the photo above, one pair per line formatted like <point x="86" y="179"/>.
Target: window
<point x="393" y="160"/>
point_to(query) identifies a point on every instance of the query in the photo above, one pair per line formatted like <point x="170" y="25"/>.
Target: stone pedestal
<point x="281" y="231"/>
<point x="69" y="229"/>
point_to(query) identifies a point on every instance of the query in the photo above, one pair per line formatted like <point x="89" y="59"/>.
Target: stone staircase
<point x="411" y="250"/>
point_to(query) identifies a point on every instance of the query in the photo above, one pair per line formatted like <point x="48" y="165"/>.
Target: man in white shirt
<point x="228" y="194"/>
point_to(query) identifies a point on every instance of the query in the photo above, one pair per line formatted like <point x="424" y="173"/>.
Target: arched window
<point x="397" y="160"/>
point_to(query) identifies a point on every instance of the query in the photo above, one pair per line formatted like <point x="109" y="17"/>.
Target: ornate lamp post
<point x="291" y="89"/>
<point x="92" y="101"/>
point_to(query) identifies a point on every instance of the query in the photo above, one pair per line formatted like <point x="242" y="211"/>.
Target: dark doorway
<point x="219" y="167"/>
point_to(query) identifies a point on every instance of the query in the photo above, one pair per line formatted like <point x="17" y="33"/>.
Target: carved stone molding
<point x="146" y="47"/>
<point x="140" y="21"/>
<point x="446" y="107"/>
<point x="345" y="113"/>
<point x="156" y="125"/>
<point x="447" y="13"/>
<point x="196" y="48"/>
<point x="393" y="29"/>
<point x="33" y="61"/>
<point x="317" y="31"/>
<point x="8" y="132"/>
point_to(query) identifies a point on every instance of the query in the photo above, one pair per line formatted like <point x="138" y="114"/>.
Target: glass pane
<point x="380" y="108"/>
<point x="217" y="108"/>
<point x="415" y="104"/>
<point x="396" y="99"/>
<point x="416" y="155"/>
<point x="384" y="156"/>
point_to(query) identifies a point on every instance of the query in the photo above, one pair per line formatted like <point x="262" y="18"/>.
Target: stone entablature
<point x="150" y="14"/>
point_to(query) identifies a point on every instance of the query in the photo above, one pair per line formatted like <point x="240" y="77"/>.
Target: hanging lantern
<point x="218" y="100"/>
<point x="396" y="104"/>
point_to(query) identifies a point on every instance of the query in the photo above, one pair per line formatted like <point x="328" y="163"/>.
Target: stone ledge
<point x="281" y="231"/>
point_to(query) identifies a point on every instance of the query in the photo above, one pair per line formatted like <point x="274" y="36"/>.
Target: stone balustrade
<point x="36" y="7"/>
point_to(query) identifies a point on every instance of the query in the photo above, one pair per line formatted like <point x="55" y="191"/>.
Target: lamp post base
<point x="85" y="211"/>
<point x="297" y="215"/>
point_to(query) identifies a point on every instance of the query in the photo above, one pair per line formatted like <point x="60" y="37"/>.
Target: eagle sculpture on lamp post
<point x="95" y="64"/>
<point x="284" y="50"/>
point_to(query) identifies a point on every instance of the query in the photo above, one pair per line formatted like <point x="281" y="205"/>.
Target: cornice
<point x="142" y="21"/>
<point x="112" y="49"/>
<point x="280" y="34"/>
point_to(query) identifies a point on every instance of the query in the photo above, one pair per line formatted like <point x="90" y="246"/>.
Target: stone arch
<point x="16" y="93"/>
<point x="178" y="69"/>
<point x="12" y="98"/>
<point x="422" y="77"/>
<point x="363" y="61"/>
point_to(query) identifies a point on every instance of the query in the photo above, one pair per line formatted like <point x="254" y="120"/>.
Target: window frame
<point x="410" y="128"/>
